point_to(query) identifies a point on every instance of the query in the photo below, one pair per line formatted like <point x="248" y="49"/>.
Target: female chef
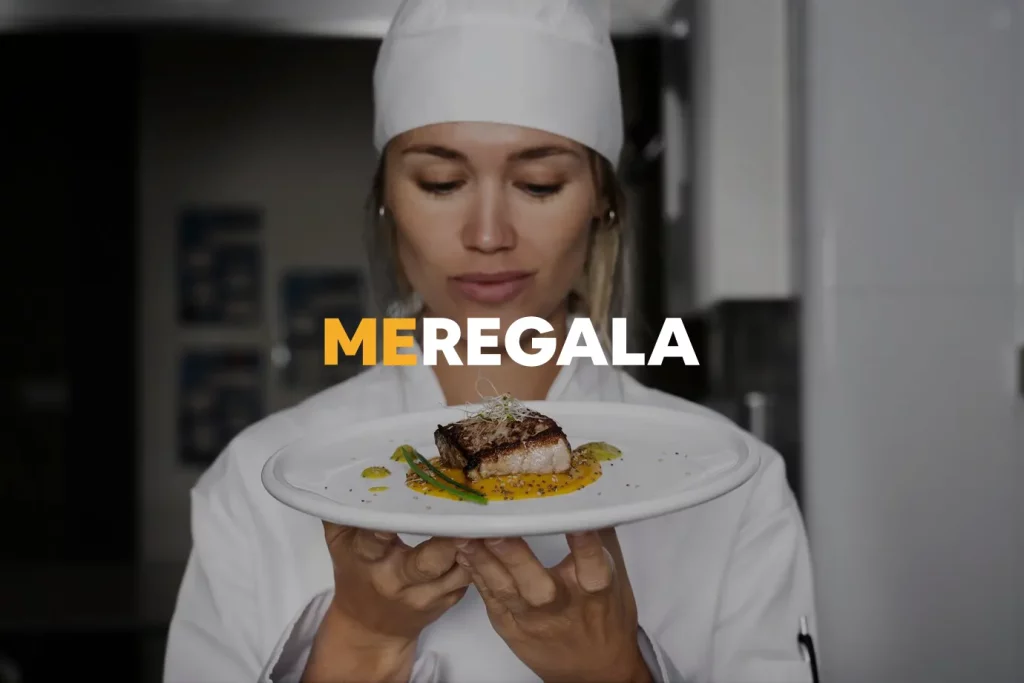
<point x="499" y="125"/>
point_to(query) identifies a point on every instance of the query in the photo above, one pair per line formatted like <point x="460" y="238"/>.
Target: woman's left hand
<point x="574" y="622"/>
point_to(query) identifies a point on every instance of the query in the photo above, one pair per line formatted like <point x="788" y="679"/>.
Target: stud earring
<point x="380" y="211"/>
<point x="611" y="216"/>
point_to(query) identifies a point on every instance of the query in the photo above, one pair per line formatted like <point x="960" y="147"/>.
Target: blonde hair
<point x="600" y="292"/>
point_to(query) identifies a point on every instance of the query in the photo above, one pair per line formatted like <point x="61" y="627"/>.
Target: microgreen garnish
<point x="502" y="408"/>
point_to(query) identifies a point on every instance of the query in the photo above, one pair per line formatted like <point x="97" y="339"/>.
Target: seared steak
<point x="533" y="444"/>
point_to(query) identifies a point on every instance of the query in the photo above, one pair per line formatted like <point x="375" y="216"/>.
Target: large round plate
<point x="671" y="461"/>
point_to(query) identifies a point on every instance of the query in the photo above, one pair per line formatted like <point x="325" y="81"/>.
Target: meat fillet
<point x="533" y="444"/>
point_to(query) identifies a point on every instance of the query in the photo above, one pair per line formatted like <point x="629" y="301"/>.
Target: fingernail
<point x="384" y="537"/>
<point x="495" y="544"/>
<point x="462" y="560"/>
<point x="465" y="546"/>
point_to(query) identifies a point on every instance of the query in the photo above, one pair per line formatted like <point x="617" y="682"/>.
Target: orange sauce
<point x="582" y="473"/>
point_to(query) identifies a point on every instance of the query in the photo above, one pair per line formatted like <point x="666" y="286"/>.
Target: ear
<point x="603" y="215"/>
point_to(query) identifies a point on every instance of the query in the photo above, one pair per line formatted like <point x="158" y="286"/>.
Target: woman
<point x="499" y="125"/>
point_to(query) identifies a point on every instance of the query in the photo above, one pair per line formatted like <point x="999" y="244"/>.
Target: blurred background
<point x="831" y="194"/>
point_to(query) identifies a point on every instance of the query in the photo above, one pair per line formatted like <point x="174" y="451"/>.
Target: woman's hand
<point x="575" y="622"/>
<point x="385" y="594"/>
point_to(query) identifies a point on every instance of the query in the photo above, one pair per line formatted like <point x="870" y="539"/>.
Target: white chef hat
<point x="544" y="64"/>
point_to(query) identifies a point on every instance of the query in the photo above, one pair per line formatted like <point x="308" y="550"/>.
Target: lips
<point x="492" y="288"/>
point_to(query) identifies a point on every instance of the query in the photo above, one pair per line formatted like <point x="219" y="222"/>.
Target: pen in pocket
<point x="806" y="643"/>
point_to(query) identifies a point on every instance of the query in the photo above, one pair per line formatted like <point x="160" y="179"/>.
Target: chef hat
<point x="544" y="64"/>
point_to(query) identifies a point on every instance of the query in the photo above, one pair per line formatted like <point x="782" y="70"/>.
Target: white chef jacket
<point x="720" y="588"/>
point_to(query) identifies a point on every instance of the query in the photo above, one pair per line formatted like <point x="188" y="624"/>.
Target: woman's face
<point x="492" y="220"/>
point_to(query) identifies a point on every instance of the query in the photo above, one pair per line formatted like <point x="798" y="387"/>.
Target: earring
<point x="611" y="216"/>
<point x="380" y="211"/>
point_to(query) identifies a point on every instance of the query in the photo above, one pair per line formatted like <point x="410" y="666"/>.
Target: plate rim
<point x="499" y="524"/>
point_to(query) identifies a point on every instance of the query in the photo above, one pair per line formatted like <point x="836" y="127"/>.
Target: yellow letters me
<point x="335" y="336"/>
<point x="394" y="341"/>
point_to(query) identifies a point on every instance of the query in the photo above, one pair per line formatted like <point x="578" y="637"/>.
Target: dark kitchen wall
<point x="752" y="358"/>
<point x="68" y="149"/>
<point x="67" y="221"/>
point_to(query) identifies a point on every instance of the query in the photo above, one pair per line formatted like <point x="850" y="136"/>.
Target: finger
<point x="610" y="540"/>
<point x="595" y="568"/>
<point x="364" y="544"/>
<point x="372" y="546"/>
<point x="442" y="592"/>
<point x="493" y="581"/>
<point x="426" y="562"/>
<point x="535" y="583"/>
<point x="490" y="602"/>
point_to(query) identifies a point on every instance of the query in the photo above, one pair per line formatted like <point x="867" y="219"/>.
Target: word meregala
<point x="441" y="336"/>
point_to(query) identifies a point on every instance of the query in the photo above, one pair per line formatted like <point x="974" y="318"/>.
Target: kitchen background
<point x="830" y="194"/>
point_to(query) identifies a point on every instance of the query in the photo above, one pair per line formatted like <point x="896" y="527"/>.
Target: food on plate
<point x="377" y="489"/>
<point x="530" y="443"/>
<point x="503" y="452"/>
<point x="598" y="450"/>
<point x="427" y="472"/>
<point x="376" y="473"/>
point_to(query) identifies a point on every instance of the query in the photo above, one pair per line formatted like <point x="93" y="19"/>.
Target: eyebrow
<point x="434" y="150"/>
<point x="531" y="154"/>
<point x="535" y="153"/>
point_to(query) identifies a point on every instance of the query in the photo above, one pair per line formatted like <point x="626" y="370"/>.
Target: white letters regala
<point x="442" y="336"/>
<point x="544" y="348"/>
<point x="446" y="344"/>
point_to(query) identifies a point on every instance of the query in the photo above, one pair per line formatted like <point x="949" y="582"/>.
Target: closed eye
<point x="440" y="188"/>
<point x="541" y="190"/>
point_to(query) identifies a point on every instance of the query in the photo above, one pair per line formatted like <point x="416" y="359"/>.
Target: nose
<point x="489" y="228"/>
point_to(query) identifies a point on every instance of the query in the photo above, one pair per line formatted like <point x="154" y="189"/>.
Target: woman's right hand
<point x="386" y="593"/>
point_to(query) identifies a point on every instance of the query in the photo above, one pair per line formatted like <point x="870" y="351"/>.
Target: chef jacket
<point x="720" y="588"/>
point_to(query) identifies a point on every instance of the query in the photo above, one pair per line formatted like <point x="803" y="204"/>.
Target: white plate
<point x="671" y="461"/>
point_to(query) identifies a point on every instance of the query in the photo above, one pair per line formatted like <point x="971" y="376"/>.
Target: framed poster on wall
<point x="220" y="266"/>
<point x="308" y="297"/>
<point x="220" y="394"/>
